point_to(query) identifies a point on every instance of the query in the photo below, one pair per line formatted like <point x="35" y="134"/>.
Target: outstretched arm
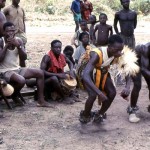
<point x="88" y="72"/>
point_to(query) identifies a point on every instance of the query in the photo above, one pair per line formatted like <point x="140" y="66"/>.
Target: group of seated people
<point x="51" y="72"/>
<point x="48" y="77"/>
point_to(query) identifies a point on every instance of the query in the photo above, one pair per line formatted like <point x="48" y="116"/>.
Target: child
<point x="104" y="31"/>
<point x="68" y="52"/>
<point x="75" y="40"/>
<point x="92" y="22"/>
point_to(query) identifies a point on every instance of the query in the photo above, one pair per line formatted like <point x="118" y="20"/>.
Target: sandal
<point x="83" y="119"/>
<point x="98" y="118"/>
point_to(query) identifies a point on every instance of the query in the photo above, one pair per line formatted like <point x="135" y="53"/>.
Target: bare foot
<point x="44" y="104"/>
<point x="68" y="100"/>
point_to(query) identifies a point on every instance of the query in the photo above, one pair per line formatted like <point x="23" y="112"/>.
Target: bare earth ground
<point x="58" y="128"/>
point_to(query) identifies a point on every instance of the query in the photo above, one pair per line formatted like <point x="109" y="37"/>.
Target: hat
<point x="7" y="90"/>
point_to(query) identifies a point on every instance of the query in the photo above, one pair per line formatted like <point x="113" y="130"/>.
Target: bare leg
<point x="111" y="93"/>
<point x="137" y="81"/>
<point x="77" y="26"/>
<point x="89" y="102"/>
<point x="39" y="75"/>
<point x="54" y="82"/>
<point x="148" y="84"/>
<point x="86" y="114"/>
<point x="18" y="83"/>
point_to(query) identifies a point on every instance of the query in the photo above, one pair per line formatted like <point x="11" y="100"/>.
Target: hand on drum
<point x="71" y="74"/>
<point x="62" y="75"/>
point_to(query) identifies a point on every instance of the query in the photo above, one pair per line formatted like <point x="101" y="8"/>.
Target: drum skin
<point x="70" y="84"/>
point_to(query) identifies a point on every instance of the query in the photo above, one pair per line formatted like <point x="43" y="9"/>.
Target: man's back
<point x="143" y="52"/>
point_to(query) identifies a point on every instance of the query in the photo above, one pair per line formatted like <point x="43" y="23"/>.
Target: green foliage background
<point x="61" y="7"/>
<point x="53" y="12"/>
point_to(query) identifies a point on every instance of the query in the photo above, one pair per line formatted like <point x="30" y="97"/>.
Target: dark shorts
<point x="129" y="41"/>
<point x="7" y="75"/>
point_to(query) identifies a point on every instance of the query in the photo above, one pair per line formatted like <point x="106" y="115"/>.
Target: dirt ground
<point x="58" y="128"/>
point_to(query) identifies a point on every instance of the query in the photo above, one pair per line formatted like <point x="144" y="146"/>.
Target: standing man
<point x="86" y="9"/>
<point x="2" y="17"/>
<point x="15" y="14"/>
<point x="143" y="53"/>
<point x="128" y="20"/>
<point x="75" y="8"/>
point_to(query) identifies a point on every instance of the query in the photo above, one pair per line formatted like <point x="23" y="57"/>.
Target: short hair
<point x="82" y="34"/>
<point x="55" y="41"/>
<point x="83" y="22"/>
<point x="114" y="39"/>
<point x="7" y="24"/>
<point x="68" y="47"/>
<point x="94" y="17"/>
<point x="103" y="14"/>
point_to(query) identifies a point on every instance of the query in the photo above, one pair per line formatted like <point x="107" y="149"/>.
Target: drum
<point x="7" y="90"/>
<point x="69" y="84"/>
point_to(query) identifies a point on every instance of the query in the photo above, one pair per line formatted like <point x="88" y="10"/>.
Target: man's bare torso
<point x="127" y="20"/>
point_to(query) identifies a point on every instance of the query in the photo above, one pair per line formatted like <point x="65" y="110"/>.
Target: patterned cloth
<point x="57" y="64"/>
<point x="86" y="9"/>
<point x="101" y="73"/>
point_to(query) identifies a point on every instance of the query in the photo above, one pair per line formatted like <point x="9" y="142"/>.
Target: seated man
<point x="53" y="65"/>
<point x="11" y="52"/>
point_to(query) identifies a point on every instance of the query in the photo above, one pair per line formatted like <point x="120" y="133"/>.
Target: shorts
<point x="77" y="17"/>
<point x="7" y="75"/>
<point x="129" y="41"/>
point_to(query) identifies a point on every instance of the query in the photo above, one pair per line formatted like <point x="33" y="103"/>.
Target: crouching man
<point x="103" y="86"/>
